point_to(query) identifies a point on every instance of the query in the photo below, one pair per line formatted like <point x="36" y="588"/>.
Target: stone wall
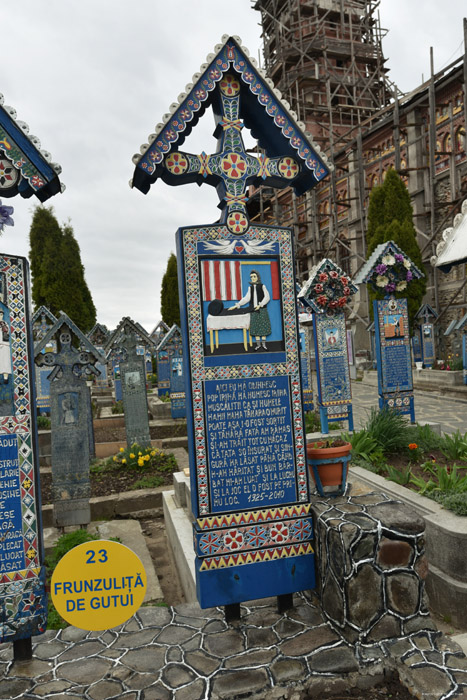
<point x="371" y="567"/>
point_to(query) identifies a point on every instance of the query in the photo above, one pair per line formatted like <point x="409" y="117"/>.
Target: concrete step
<point x="169" y="443"/>
<point x="129" y="533"/>
<point x="179" y="533"/>
<point x="168" y="428"/>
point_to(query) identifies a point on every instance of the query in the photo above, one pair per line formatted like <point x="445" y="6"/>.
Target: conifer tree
<point x="57" y="272"/>
<point x="170" y="308"/>
<point x="390" y="218"/>
<point x="44" y="238"/>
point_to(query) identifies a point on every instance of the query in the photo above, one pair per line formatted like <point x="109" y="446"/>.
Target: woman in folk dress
<point x="5" y="354"/>
<point x="257" y="297"/>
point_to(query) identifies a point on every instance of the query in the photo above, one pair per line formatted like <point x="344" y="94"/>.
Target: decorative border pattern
<point x="255" y="536"/>
<point x="254" y="516"/>
<point x="20" y="161"/>
<point x="22" y="591"/>
<point x="200" y="373"/>
<point x="261" y="555"/>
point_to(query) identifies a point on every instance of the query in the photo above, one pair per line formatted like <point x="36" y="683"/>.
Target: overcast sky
<point x="92" y="78"/>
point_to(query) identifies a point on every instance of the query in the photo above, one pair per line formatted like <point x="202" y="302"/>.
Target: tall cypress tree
<point x="79" y="305"/>
<point x="390" y="218"/>
<point x="170" y="308"/>
<point x="44" y="239"/>
<point x="57" y="271"/>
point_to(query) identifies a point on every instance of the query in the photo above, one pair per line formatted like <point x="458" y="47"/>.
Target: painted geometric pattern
<point x="22" y="591"/>
<point x="23" y="604"/>
<point x="254" y="516"/>
<point x="20" y="161"/>
<point x="261" y="555"/>
<point x="21" y="421"/>
<point x="186" y="112"/>
<point x="200" y="373"/>
<point x="267" y="534"/>
<point x="401" y="400"/>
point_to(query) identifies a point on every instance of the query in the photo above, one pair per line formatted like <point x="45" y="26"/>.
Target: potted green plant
<point x="328" y="464"/>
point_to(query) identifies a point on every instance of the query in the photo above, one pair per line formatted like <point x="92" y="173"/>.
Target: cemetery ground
<point x="55" y="652"/>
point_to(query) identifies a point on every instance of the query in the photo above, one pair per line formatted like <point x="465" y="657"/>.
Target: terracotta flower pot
<point x="328" y="467"/>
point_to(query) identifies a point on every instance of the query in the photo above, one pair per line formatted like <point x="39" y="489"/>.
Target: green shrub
<point x="375" y="467"/>
<point x="454" y="446"/>
<point x="363" y="444"/>
<point x="388" y="428"/>
<point x="65" y="543"/>
<point x="43" y="422"/>
<point x="148" y="482"/>
<point x="442" y="480"/>
<point x="312" y="422"/>
<point x="401" y="477"/>
<point x="456" y="502"/>
<point x="426" y="438"/>
<point x="117" y="407"/>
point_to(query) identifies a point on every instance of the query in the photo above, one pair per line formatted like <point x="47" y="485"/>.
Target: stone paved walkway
<point x="186" y="653"/>
<point x="451" y="413"/>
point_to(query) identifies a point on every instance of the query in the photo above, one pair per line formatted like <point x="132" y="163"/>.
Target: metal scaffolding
<point x="326" y="58"/>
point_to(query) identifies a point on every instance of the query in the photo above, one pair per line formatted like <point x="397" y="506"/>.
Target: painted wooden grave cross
<point x="253" y="530"/>
<point x="71" y="418"/>
<point x="389" y="271"/>
<point x="25" y="170"/>
<point x="326" y="292"/>
<point x="122" y="346"/>
<point x="98" y="336"/>
<point x="426" y="331"/>
<point x="231" y="169"/>
<point x="172" y="370"/>
<point x="42" y="320"/>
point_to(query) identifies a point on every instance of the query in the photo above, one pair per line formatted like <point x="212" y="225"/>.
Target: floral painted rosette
<point x="328" y="288"/>
<point x="388" y="269"/>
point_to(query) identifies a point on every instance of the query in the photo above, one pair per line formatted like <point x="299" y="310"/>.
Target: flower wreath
<point x="392" y="273"/>
<point x="328" y="289"/>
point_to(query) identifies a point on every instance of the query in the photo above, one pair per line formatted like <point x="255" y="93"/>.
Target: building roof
<point x="452" y="249"/>
<point x="33" y="169"/>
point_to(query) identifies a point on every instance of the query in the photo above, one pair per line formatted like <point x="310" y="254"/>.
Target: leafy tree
<point x="390" y="218"/>
<point x="170" y="308"/>
<point x="57" y="271"/>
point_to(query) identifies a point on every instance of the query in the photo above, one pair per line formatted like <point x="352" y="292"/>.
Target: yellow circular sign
<point x="98" y="585"/>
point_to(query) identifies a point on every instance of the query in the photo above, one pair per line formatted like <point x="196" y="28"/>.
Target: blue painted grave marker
<point x="389" y="270"/>
<point x="326" y="292"/>
<point x="426" y="333"/>
<point x="253" y="530"/>
<point x="22" y="592"/>
<point x="171" y="348"/>
<point x="23" y="600"/>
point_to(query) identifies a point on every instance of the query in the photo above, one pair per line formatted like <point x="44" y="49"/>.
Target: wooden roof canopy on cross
<point x="25" y="168"/>
<point x="240" y="94"/>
